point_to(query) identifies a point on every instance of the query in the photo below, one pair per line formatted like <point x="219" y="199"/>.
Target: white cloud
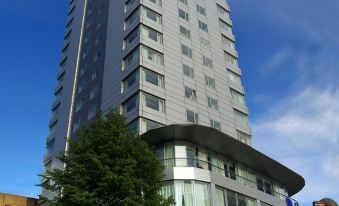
<point x="301" y="129"/>
<point x="302" y="132"/>
<point x="277" y="60"/>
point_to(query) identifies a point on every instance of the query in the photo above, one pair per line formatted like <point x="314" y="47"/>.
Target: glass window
<point x="187" y="196"/>
<point x="188" y="193"/>
<point x="241" y="118"/>
<point x="153" y="78"/>
<point x="151" y="34"/>
<point x="79" y="105"/>
<point x="147" y="125"/>
<point x="153" y="102"/>
<point x="204" y="43"/>
<point x="202" y="194"/>
<point x="132" y="18"/>
<point x="58" y="93"/>
<point x="129" y="4"/>
<point x="234" y="78"/>
<point x="260" y="184"/>
<point x="157" y="2"/>
<point x="134" y="126"/>
<point x="130" y="104"/>
<point x="207" y="62"/>
<point x="264" y="204"/>
<point x="131" y="58"/>
<point x="167" y="190"/>
<point x="185" y="50"/>
<point x="55" y="110"/>
<point x="231" y="60"/>
<point x="230" y="170"/>
<point x="268" y="187"/>
<point x="97" y="55"/>
<point x="185" y="32"/>
<point x="98" y="38"/>
<point x="129" y="81"/>
<point x="91" y="113"/>
<point x="224" y="26"/>
<point x="83" y="69"/>
<point x="151" y="15"/>
<point x="190" y="93"/>
<point x="203" y="26"/>
<point x="250" y="202"/>
<point x="212" y="103"/>
<point x="188" y="71"/>
<point x="169" y="155"/>
<point x="223" y="12"/>
<point x="279" y="191"/>
<point x="243" y="137"/>
<point x="215" y="125"/>
<point x="220" y="197"/>
<point x="85" y="52"/>
<point x="152" y="55"/>
<point x="228" y="42"/>
<point x="95" y="74"/>
<point x="131" y="37"/>
<point x="93" y="93"/>
<point x="76" y="125"/>
<point x="203" y="159"/>
<point x="191" y="159"/>
<point x="231" y="198"/>
<point x="241" y="200"/>
<point x="183" y="14"/>
<point x="192" y="117"/>
<point x="180" y="156"/>
<point x="81" y="87"/>
<point x="238" y="97"/>
<point x="201" y="10"/>
<point x="210" y="82"/>
<point x="183" y="1"/>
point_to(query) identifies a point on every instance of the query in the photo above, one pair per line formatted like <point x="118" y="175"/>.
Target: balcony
<point x="47" y="157"/>
<point x="207" y="165"/>
<point x="60" y="73"/>
<point x="58" y="88"/>
<point x="55" y="103"/>
<point x="223" y="151"/>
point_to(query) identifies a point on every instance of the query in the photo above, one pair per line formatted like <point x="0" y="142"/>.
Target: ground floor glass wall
<point x="188" y="193"/>
<point x="230" y="198"/>
<point x="181" y="154"/>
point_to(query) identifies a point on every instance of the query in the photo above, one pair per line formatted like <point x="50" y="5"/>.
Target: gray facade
<point x="158" y="62"/>
<point x="171" y="42"/>
<point x="59" y="125"/>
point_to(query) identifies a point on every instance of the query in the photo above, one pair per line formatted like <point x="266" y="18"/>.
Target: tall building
<point x="168" y="66"/>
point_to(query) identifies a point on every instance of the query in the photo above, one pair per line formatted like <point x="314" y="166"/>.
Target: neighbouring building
<point x="16" y="200"/>
<point x="325" y="202"/>
<point x="171" y="67"/>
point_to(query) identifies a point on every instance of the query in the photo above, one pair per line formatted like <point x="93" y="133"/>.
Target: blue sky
<point x="289" y="54"/>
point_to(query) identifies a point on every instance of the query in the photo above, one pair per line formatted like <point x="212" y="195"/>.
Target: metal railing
<point x="207" y="165"/>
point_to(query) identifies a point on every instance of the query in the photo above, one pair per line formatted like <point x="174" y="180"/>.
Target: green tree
<point x="107" y="165"/>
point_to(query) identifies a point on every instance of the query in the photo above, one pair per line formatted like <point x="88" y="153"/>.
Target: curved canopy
<point x="227" y="146"/>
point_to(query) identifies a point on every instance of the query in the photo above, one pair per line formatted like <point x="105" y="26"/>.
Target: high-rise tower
<point x="158" y="62"/>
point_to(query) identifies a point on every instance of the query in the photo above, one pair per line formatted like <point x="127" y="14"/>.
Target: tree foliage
<point x="107" y="165"/>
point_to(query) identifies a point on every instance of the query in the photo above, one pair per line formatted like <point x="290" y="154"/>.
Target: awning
<point x="227" y="146"/>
